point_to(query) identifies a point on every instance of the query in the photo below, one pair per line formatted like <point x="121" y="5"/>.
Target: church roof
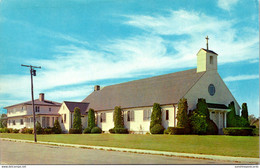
<point x="37" y="102"/>
<point x="163" y="89"/>
<point x="81" y="105"/>
<point x="209" y="51"/>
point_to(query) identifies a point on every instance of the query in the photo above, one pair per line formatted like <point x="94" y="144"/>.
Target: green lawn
<point x="245" y="146"/>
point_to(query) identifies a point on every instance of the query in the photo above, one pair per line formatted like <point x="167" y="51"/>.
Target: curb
<point x="141" y="151"/>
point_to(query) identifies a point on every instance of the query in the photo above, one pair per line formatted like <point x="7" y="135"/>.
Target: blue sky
<point x="83" y="43"/>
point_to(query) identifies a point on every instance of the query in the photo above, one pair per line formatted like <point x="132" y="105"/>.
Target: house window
<point x="167" y="114"/>
<point x="130" y="115"/>
<point x="49" y="109"/>
<point x="52" y="120"/>
<point x="64" y="115"/>
<point x="21" y="121"/>
<point x="211" y="59"/>
<point x="102" y="117"/>
<point x="47" y="121"/>
<point x="37" y="108"/>
<point x="13" y="122"/>
<point x="147" y="114"/>
<point x="9" y="122"/>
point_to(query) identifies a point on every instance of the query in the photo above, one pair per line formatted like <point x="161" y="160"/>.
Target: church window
<point x="167" y="114"/>
<point x="103" y="117"/>
<point x="147" y="115"/>
<point x="211" y="89"/>
<point x="21" y="121"/>
<point x="211" y="59"/>
<point x="130" y="115"/>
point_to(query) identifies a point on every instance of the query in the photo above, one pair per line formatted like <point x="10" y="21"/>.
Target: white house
<point x="21" y="115"/>
<point x="136" y="98"/>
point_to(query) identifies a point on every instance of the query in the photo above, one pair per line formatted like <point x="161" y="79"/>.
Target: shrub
<point x="120" y="130"/>
<point x="244" y="111"/>
<point x="238" y="131"/>
<point x="182" y="115"/>
<point x="91" y="118"/>
<point x="157" y="129"/>
<point x="112" y="130"/>
<point x="27" y="130"/>
<point x="56" y="129"/>
<point x="234" y="120"/>
<point x="96" y="130"/>
<point x="198" y="123"/>
<point x="212" y="128"/>
<point x="118" y="117"/>
<point x="256" y="131"/>
<point x="87" y="130"/>
<point x="39" y="129"/>
<point x="177" y="130"/>
<point x="10" y="130"/>
<point x="4" y="130"/>
<point x="156" y="117"/>
<point x="47" y="131"/>
<point x="16" y="130"/>
<point x="75" y="131"/>
<point x="77" y="119"/>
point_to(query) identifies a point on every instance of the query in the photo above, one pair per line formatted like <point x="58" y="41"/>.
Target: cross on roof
<point x="207" y="38"/>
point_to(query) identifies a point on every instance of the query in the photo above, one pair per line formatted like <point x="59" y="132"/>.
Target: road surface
<point x="20" y="153"/>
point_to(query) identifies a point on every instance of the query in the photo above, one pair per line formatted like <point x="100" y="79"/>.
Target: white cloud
<point x="226" y="4"/>
<point x="240" y="77"/>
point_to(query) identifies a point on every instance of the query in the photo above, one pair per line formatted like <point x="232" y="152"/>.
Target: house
<point x="66" y="113"/>
<point x="21" y="115"/>
<point x="136" y="98"/>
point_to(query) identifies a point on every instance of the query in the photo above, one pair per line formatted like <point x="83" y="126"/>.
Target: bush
<point x="75" y="131"/>
<point x="91" y="118"/>
<point x="156" y="116"/>
<point x="16" y="130"/>
<point x="121" y="130"/>
<point x="96" y="130"/>
<point x="238" y="131"/>
<point x="4" y="130"/>
<point x="77" y="119"/>
<point x="112" y="130"/>
<point x="182" y="115"/>
<point x="118" y="117"/>
<point x="87" y="130"/>
<point x="244" y="111"/>
<point x="47" y="131"/>
<point x="10" y="130"/>
<point x="256" y="131"/>
<point x="198" y="123"/>
<point x="212" y="128"/>
<point x="56" y="129"/>
<point x="39" y="129"/>
<point x="27" y="130"/>
<point x="157" y="129"/>
<point x="177" y="131"/>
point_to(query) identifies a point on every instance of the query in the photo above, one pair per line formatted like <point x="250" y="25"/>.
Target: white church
<point x="136" y="99"/>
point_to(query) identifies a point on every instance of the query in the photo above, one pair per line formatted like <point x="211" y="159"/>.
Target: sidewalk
<point x="141" y="151"/>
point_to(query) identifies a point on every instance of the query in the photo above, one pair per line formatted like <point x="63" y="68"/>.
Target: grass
<point x="240" y="146"/>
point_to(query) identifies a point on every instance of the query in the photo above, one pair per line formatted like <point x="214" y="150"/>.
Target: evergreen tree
<point x="77" y="119"/>
<point x="244" y="111"/>
<point x="182" y="115"/>
<point x="156" y="117"/>
<point x="91" y="118"/>
<point x="3" y="122"/>
<point x="202" y="108"/>
<point x="38" y="127"/>
<point x="56" y="127"/>
<point x="118" y="118"/>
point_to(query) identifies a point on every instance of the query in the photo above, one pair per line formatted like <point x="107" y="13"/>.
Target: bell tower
<point x="206" y="59"/>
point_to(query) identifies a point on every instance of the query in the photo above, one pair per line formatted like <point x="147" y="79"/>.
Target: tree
<point x="3" y="121"/>
<point x="39" y="129"/>
<point x="56" y="127"/>
<point x="234" y="120"/>
<point x="182" y="115"/>
<point x="156" y="117"/>
<point x="77" y="119"/>
<point x="244" y="111"/>
<point x="118" y="118"/>
<point x="91" y="118"/>
<point x="202" y="108"/>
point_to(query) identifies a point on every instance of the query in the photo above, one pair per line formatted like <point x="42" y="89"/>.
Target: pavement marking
<point x="141" y="151"/>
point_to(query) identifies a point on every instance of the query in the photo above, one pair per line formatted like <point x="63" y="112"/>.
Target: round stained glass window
<point x="211" y="89"/>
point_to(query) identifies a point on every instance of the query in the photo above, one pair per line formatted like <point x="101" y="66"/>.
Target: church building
<point x="136" y="98"/>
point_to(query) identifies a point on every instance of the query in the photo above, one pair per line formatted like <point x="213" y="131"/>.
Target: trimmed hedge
<point x="27" y="130"/>
<point x="238" y="131"/>
<point x="16" y="130"/>
<point x="87" y="130"/>
<point x="121" y="130"/>
<point x="4" y="130"/>
<point x="96" y="130"/>
<point x="157" y="129"/>
<point x="212" y="128"/>
<point x="112" y="131"/>
<point x="177" y="131"/>
<point x="47" y="130"/>
<point x="256" y="131"/>
<point x="75" y="131"/>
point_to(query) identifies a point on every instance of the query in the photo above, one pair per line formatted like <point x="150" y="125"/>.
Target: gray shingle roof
<point x="164" y="89"/>
<point x="209" y="51"/>
<point x="81" y="105"/>
<point x="219" y="106"/>
<point x="38" y="102"/>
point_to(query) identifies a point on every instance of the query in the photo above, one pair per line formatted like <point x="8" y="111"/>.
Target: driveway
<point x="30" y="153"/>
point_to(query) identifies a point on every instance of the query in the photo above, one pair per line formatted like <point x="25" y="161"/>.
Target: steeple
<point x="206" y="59"/>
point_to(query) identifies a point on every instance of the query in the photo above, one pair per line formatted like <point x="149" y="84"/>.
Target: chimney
<point x="96" y="87"/>
<point x="41" y="96"/>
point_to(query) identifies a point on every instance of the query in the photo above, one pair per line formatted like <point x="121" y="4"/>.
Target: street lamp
<point x="33" y="73"/>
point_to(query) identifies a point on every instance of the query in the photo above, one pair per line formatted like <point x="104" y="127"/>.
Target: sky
<point x="80" y="44"/>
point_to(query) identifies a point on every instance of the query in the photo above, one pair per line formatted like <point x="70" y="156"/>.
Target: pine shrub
<point x="156" y="117"/>
<point x="118" y="118"/>
<point x="77" y="120"/>
<point x="182" y="115"/>
<point x="157" y="129"/>
<point x="56" y="129"/>
<point x="91" y="118"/>
<point x="39" y="129"/>
<point x="244" y="111"/>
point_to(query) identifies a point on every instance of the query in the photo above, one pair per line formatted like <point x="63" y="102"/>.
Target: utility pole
<point x="33" y="73"/>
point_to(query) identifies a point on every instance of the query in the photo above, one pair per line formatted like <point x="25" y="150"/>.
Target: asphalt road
<point x="19" y="153"/>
